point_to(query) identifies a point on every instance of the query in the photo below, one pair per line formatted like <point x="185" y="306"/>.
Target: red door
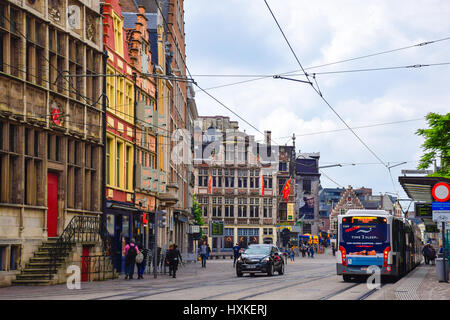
<point x="85" y="264"/>
<point x="52" y="204"/>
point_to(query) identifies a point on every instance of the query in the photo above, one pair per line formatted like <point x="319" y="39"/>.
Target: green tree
<point x="437" y="143"/>
<point x="198" y="213"/>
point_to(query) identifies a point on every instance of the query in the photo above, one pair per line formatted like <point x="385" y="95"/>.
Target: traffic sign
<point x="441" y="192"/>
<point x="441" y="211"/>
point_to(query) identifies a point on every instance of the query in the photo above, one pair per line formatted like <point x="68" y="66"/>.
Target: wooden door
<point x="85" y="264"/>
<point x="52" y="204"/>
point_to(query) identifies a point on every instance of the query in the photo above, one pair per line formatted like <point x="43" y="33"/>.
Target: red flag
<point x="287" y="190"/>
<point x="209" y="184"/>
<point x="262" y="185"/>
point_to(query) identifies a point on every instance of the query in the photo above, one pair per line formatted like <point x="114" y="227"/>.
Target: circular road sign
<point x="441" y="192"/>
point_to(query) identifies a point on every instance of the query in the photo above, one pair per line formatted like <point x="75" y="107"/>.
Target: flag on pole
<point x="287" y="190"/>
<point x="209" y="184"/>
<point x="262" y="185"/>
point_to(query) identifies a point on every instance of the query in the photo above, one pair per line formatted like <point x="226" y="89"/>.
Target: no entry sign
<point x="441" y="192"/>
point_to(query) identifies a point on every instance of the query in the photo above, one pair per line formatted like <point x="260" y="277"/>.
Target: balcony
<point x="242" y="221"/>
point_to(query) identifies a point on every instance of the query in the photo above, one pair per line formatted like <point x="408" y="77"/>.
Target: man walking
<point x="203" y="253"/>
<point x="174" y="258"/>
<point x="131" y="251"/>
<point x="236" y="249"/>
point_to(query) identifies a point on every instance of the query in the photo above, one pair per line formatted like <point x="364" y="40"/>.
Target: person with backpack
<point x="174" y="258"/>
<point x="131" y="251"/>
<point x="141" y="262"/>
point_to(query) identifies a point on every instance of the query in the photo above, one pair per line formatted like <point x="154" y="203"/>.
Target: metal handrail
<point x="80" y="229"/>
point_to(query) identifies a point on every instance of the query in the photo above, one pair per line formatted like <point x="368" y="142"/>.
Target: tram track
<point x="229" y="281"/>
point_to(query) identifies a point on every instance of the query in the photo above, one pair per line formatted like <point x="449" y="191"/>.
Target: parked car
<point x="260" y="258"/>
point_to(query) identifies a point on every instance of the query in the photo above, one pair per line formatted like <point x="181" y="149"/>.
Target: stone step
<point x="28" y="271"/>
<point x="31" y="282"/>
<point x="46" y="259"/>
<point x="48" y="264"/>
<point x="34" y="276"/>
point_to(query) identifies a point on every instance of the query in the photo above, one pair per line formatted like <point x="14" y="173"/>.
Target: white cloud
<point x="323" y="32"/>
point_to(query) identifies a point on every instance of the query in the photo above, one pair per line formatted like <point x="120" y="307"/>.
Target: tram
<point x="376" y="238"/>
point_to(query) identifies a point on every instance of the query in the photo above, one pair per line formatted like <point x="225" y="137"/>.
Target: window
<point x="129" y="97"/>
<point x="242" y="208"/>
<point x="282" y="166"/>
<point x="118" y="34"/>
<point x="129" y="168"/>
<point x="307" y="185"/>
<point x="254" y="207"/>
<point x="202" y="177"/>
<point x="242" y="178"/>
<point x="119" y="164"/>
<point x="267" y="182"/>
<point x="254" y="179"/>
<point x="110" y="92"/>
<point x="109" y="164"/>
<point x="120" y="97"/>
<point x="217" y="178"/>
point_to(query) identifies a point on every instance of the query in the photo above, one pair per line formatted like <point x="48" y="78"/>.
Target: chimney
<point x="268" y="135"/>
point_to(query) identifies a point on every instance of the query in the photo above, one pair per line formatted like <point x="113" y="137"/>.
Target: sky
<point x="240" y="37"/>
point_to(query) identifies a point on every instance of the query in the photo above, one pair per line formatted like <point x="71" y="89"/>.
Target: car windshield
<point x="257" y="250"/>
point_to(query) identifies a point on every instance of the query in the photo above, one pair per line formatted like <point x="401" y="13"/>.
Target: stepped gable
<point x="348" y="200"/>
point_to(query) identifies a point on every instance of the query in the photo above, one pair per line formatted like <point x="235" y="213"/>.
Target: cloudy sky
<point x="240" y="37"/>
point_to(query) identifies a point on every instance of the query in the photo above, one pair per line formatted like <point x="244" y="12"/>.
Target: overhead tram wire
<point x="196" y="84"/>
<point x="413" y="66"/>
<point x="422" y="44"/>
<point x="318" y="92"/>
<point x="359" y="127"/>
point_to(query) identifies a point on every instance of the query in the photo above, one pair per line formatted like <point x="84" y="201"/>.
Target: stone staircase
<point x="38" y="270"/>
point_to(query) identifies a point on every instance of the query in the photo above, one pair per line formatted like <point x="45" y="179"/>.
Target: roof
<point x="129" y="20"/>
<point x="419" y="188"/>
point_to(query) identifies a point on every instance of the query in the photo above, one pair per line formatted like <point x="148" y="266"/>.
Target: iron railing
<point x="84" y="229"/>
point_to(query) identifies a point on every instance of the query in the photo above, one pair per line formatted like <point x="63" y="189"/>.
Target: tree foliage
<point x="437" y="143"/>
<point x="197" y="213"/>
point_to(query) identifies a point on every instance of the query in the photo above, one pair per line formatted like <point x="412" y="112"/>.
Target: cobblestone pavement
<point x="310" y="279"/>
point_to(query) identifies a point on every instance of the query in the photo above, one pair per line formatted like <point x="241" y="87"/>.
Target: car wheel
<point x="270" y="271"/>
<point x="239" y="272"/>
<point x="281" y="271"/>
<point x="346" y="277"/>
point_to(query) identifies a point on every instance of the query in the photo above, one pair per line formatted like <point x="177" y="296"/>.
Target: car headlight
<point x="266" y="259"/>
<point x="239" y="259"/>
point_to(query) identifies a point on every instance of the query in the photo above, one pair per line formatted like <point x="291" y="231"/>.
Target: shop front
<point x="120" y="223"/>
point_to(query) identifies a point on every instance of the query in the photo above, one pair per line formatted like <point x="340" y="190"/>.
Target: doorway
<point x="52" y="204"/>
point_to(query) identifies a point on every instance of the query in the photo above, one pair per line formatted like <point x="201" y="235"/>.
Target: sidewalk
<point x="420" y="284"/>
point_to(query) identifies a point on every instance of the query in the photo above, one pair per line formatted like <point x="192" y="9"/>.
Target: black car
<point x="260" y="258"/>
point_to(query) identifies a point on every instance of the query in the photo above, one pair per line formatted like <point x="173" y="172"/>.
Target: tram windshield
<point x="366" y="236"/>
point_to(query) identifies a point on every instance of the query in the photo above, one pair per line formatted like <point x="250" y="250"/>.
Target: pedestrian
<point x="426" y="253"/>
<point x="308" y="251"/>
<point x="292" y="254"/>
<point x="141" y="264"/>
<point x="203" y="253"/>
<point x="174" y="257"/>
<point x="303" y="250"/>
<point x="312" y="252"/>
<point x="131" y="251"/>
<point x="432" y="255"/>
<point x="333" y="249"/>
<point x="236" y="253"/>
<point x="208" y="252"/>
<point x="167" y="261"/>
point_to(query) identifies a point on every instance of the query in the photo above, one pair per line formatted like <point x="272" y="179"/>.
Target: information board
<point x="423" y="210"/>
